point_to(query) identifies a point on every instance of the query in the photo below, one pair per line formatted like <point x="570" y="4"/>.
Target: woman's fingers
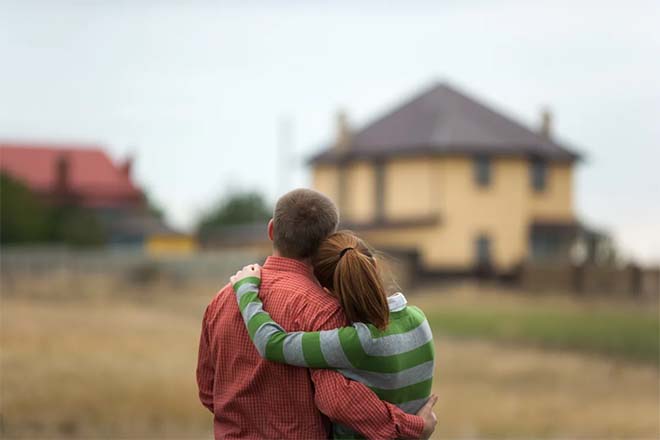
<point x="247" y="271"/>
<point x="251" y="268"/>
<point x="433" y="399"/>
<point x="428" y="406"/>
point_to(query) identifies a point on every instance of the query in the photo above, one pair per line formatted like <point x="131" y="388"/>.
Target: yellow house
<point x="169" y="243"/>
<point x="453" y="183"/>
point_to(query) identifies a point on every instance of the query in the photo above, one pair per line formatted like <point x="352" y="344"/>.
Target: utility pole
<point x="285" y="159"/>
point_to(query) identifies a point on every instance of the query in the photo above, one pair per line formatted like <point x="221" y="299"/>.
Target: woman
<point x="389" y="346"/>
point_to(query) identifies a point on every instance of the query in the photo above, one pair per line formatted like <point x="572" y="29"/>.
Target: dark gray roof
<point x="442" y="120"/>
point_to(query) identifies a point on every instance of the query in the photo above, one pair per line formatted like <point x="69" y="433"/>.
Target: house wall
<point x="556" y="202"/>
<point x="495" y="211"/>
<point x="350" y="187"/>
<point x="409" y="189"/>
<point x="420" y="188"/>
<point x="325" y="178"/>
<point x="359" y="193"/>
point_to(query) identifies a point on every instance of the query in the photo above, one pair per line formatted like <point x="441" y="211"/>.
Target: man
<point x="252" y="398"/>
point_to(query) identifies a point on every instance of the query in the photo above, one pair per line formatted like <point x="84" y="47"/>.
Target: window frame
<point x="483" y="246"/>
<point x="482" y="170"/>
<point x="538" y="174"/>
<point x="379" y="189"/>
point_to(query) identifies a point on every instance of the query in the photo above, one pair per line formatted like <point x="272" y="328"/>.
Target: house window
<point x="482" y="170"/>
<point x="483" y="251"/>
<point x="545" y="245"/>
<point x="342" y="196"/>
<point x="379" y="199"/>
<point x="538" y="174"/>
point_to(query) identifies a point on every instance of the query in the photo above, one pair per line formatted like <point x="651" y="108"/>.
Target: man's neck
<point x="307" y="261"/>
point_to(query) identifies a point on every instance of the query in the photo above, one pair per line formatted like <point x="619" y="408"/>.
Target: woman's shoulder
<point x="401" y="308"/>
<point x="409" y="319"/>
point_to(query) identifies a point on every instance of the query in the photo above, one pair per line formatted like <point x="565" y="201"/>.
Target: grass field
<point x="616" y="328"/>
<point x="98" y="359"/>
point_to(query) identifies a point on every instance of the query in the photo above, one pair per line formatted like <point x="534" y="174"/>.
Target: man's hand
<point x="251" y="270"/>
<point x="429" y="416"/>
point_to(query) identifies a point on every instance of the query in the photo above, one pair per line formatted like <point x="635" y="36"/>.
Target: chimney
<point x="127" y="166"/>
<point x="343" y="140"/>
<point x="546" y="122"/>
<point x="62" y="170"/>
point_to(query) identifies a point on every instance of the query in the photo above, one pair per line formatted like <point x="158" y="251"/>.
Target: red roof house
<point x="80" y="174"/>
<point x="84" y="176"/>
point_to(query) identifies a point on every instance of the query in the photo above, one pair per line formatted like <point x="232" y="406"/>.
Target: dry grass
<point x="94" y="358"/>
<point x="494" y="391"/>
<point x="99" y="369"/>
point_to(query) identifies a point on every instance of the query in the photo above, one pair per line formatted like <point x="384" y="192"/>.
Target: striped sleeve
<point x="322" y="349"/>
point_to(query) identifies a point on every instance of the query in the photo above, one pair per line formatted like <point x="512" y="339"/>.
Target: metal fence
<point x="630" y="280"/>
<point x="129" y="262"/>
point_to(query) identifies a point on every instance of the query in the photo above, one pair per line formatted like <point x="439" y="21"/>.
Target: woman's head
<point x="346" y="266"/>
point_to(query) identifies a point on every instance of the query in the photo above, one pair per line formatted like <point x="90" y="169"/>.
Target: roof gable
<point x="444" y="120"/>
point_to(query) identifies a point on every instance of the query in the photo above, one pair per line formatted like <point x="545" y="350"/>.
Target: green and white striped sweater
<point x="396" y="363"/>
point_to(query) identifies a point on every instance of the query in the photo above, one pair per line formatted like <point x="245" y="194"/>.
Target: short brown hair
<point x="302" y="219"/>
<point x="346" y="266"/>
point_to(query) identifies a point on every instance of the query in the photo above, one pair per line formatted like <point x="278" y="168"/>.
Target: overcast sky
<point x="196" y="90"/>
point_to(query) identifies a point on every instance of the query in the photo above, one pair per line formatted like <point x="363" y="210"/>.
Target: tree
<point x="77" y="226"/>
<point x="237" y="209"/>
<point x="153" y="208"/>
<point x="23" y="217"/>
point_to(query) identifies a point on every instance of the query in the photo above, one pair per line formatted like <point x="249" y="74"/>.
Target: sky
<point x="201" y="93"/>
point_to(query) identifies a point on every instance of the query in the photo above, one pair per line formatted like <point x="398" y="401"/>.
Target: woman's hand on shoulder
<point x="251" y="270"/>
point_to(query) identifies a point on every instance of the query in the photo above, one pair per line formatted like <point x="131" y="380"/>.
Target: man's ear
<point x="270" y="229"/>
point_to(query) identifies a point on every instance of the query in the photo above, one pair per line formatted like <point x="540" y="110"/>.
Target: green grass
<point x="631" y="334"/>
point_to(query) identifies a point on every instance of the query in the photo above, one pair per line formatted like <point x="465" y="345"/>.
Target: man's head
<point x="302" y="219"/>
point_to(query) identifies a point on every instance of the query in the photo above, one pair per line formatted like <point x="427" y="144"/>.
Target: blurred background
<point x="502" y="154"/>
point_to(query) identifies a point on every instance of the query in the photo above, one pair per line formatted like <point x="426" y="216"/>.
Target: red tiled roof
<point x="92" y="176"/>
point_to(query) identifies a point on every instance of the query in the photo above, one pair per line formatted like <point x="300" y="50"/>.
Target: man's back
<point x="251" y="397"/>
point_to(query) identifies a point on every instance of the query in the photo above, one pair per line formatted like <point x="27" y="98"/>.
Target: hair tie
<point x="343" y="251"/>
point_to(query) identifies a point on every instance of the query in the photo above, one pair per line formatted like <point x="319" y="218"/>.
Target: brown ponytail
<point x="345" y="265"/>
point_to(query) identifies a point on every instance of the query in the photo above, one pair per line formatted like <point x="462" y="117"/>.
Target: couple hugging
<point x="310" y="346"/>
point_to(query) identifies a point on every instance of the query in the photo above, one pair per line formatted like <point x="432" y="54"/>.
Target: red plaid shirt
<point x="254" y="398"/>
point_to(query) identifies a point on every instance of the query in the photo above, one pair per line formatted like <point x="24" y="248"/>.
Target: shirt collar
<point x="397" y="302"/>
<point x="284" y="264"/>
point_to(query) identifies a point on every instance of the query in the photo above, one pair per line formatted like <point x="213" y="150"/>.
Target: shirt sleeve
<point x="205" y="366"/>
<point x="301" y="349"/>
<point x="344" y="401"/>
<point x="352" y="404"/>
